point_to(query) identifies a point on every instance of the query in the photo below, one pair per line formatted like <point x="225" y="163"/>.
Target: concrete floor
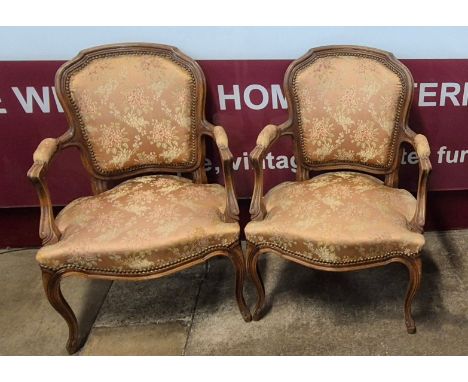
<point x="194" y="312"/>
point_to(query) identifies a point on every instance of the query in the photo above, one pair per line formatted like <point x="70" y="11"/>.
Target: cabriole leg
<point x="415" y="272"/>
<point x="237" y="259"/>
<point x="252" y="263"/>
<point x="51" y="281"/>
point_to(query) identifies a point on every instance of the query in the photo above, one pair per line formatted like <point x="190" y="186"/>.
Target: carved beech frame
<point x="100" y="180"/>
<point x="291" y="128"/>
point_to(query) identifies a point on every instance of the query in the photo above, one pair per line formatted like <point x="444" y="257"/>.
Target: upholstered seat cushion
<point x="146" y="223"/>
<point x="336" y="218"/>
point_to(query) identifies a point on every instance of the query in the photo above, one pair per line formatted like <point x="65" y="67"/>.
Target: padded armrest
<point x="220" y="137"/>
<point x="422" y="146"/>
<point x="45" y="151"/>
<point x="267" y="136"/>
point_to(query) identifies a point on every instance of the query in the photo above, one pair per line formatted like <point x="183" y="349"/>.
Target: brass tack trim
<point x="312" y="260"/>
<point x="193" y="109"/>
<point x="142" y="271"/>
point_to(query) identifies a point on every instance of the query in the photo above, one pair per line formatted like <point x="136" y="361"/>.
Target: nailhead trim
<point x="193" y="109"/>
<point x="397" y="125"/>
<point x="361" y="260"/>
<point x="73" y="267"/>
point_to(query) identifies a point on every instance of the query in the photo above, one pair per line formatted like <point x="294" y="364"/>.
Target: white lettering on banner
<point x="31" y="93"/>
<point x="280" y="162"/>
<point x="448" y="91"/>
<point x="277" y="98"/>
<point x="431" y="94"/>
<point x="27" y="102"/>
<point x="277" y="95"/>
<point x="2" y="109"/>
<point x="445" y="93"/>
<point x="270" y="162"/>
<point x="457" y="157"/>
<point x="244" y="159"/>
<point x="284" y="162"/>
<point x="57" y="102"/>
<point x="423" y="93"/>
<point x="265" y="98"/>
<point x="236" y="163"/>
<point x="223" y="97"/>
<point x="209" y="166"/>
<point x="409" y="157"/>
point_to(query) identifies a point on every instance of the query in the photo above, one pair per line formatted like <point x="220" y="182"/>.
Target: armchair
<point x="136" y="113"/>
<point x="348" y="117"/>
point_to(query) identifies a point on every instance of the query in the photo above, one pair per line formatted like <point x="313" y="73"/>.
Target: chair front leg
<point x="252" y="265"/>
<point x="237" y="258"/>
<point x="415" y="274"/>
<point x="414" y="266"/>
<point x="51" y="281"/>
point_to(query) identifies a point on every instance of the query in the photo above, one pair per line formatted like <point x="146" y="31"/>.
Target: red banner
<point x="243" y="96"/>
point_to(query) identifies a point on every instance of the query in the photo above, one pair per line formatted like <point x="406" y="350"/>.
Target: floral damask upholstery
<point x="347" y="110"/>
<point x="338" y="217"/>
<point x="136" y="113"/>
<point x="146" y="223"/>
<point x="348" y="119"/>
<point x="135" y="110"/>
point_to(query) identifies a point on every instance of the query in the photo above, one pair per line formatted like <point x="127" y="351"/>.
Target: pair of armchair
<point x="136" y="113"/>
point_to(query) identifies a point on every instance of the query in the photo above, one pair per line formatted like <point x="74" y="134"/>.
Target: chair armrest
<point x="266" y="138"/>
<point x="48" y="231"/>
<point x="421" y="145"/>
<point x="231" y="213"/>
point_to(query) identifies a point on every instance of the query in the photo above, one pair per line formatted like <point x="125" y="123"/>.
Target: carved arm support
<point x="266" y="138"/>
<point x="48" y="231"/>
<point x="421" y="145"/>
<point x="231" y="212"/>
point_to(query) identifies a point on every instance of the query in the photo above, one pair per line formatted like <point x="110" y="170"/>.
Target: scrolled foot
<point x="257" y="315"/>
<point x="73" y="345"/>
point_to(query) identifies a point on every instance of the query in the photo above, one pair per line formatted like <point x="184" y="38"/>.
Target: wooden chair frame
<point x="100" y="181"/>
<point x="271" y="133"/>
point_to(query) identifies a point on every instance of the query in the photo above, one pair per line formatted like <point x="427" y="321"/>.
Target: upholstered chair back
<point x="349" y="106"/>
<point x="135" y="107"/>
